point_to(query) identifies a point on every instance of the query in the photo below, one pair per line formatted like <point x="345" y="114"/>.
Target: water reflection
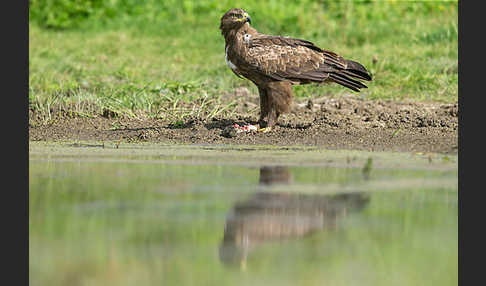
<point x="276" y="216"/>
<point x="275" y="175"/>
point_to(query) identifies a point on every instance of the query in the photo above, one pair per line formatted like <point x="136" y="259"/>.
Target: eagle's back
<point x="263" y="58"/>
<point x="286" y="59"/>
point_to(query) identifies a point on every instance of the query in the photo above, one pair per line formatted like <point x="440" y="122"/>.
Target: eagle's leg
<point x="267" y="111"/>
<point x="277" y="99"/>
<point x="264" y="108"/>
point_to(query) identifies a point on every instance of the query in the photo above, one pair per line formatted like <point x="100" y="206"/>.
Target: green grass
<point x="169" y="63"/>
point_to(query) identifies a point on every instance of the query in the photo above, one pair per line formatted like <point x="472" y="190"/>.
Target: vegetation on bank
<point x="165" y="59"/>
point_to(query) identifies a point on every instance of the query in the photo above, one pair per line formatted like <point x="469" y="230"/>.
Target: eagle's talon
<point x="264" y="130"/>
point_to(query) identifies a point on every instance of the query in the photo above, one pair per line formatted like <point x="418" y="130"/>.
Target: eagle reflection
<point x="273" y="216"/>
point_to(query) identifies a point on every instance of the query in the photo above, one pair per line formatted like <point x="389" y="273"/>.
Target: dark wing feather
<point x="284" y="58"/>
<point x="357" y="70"/>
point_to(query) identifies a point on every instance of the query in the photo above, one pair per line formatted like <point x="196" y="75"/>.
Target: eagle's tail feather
<point x="357" y="70"/>
<point x="342" y="79"/>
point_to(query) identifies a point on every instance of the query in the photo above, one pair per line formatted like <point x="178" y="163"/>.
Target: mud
<point x="347" y="122"/>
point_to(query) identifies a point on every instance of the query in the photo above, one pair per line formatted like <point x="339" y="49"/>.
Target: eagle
<point x="276" y="63"/>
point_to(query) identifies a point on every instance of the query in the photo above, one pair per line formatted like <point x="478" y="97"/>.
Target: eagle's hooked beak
<point x="246" y="18"/>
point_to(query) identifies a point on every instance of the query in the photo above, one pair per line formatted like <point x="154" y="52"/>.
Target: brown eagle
<point x="275" y="63"/>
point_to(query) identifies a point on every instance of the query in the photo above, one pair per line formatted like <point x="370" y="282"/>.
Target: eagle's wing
<point x="284" y="58"/>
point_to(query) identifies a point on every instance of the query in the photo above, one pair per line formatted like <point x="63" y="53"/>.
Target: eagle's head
<point x="234" y="19"/>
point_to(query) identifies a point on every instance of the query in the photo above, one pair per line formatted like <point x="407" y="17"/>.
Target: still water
<point x="226" y="215"/>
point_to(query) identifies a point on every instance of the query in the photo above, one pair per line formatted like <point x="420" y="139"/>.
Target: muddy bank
<point x="347" y="122"/>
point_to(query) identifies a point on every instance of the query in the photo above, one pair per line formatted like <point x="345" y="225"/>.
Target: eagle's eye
<point x="236" y="16"/>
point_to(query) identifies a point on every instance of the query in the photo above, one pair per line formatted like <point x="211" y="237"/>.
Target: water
<point x="226" y="215"/>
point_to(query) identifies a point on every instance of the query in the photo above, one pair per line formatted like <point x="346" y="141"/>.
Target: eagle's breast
<point x="228" y="62"/>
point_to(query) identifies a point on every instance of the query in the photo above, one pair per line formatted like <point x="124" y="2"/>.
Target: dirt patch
<point x="348" y="122"/>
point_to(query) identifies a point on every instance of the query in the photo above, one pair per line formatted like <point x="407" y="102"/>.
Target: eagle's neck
<point x="229" y="37"/>
<point x="233" y="36"/>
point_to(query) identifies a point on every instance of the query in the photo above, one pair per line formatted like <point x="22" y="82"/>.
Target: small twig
<point x="118" y="143"/>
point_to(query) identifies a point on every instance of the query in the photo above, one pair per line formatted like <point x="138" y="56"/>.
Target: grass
<point x="169" y="64"/>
